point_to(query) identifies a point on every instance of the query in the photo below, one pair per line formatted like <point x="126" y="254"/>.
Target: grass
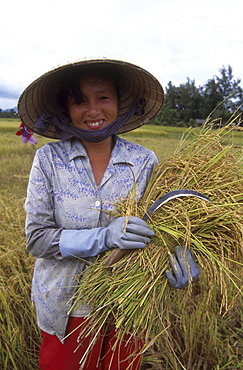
<point x="19" y="335"/>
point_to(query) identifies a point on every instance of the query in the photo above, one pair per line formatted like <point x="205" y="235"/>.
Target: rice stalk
<point x="20" y="337"/>
<point x="137" y="296"/>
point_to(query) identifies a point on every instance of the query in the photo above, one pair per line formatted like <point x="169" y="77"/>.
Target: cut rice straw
<point x="136" y="295"/>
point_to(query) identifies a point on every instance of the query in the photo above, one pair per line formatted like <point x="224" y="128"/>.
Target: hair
<point x="70" y="82"/>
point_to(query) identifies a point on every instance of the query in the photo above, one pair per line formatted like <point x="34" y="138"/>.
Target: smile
<point x="94" y="124"/>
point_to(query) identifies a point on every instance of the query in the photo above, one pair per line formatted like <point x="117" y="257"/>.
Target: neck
<point x="99" y="156"/>
<point x="101" y="148"/>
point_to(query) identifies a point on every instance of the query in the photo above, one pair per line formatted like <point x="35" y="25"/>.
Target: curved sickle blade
<point x="171" y="195"/>
<point x="118" y="253"/>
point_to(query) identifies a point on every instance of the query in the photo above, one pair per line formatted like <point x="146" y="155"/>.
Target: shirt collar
<point x="120" y="152"/>
<point x="75" y="149"/>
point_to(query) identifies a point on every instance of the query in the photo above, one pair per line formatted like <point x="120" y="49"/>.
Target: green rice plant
<point x="162" y="140"/>
<point x="184" y="328"/>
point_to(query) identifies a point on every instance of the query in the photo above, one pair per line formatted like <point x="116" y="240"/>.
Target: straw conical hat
<point x="41" y="95"/>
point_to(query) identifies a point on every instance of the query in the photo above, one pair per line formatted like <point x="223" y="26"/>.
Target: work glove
<point x="128" y="235"/>
<point x="184" y="268"/>
<point x="120" y="233"/>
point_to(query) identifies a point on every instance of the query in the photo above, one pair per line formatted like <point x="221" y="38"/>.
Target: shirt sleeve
<point x="42" y="232"/>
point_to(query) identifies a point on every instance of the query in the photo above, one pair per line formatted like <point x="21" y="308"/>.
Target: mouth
<point x="94" y="125"/>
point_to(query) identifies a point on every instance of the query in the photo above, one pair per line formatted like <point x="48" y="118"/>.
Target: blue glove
<point x="183" y="266"/>
<point x="137" y="233"/>
<point x="91" y="242"/>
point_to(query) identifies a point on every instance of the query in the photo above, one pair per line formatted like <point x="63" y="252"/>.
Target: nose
<point x="93" y="108"/>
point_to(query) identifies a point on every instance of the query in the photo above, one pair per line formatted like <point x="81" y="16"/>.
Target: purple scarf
<point x="65" y="130"/>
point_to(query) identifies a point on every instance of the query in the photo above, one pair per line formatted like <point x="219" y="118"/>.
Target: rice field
<point x="19" y="335"/>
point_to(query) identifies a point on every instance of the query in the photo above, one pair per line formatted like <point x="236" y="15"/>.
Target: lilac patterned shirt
<point x="62" y="195"/>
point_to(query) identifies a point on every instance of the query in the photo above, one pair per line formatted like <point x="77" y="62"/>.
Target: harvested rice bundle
<point x="136" y="293"/>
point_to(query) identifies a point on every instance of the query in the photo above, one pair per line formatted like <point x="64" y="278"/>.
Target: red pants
<point x="57" y="356"/>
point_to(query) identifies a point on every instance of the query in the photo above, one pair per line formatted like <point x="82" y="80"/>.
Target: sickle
<point x="118" y="253"/>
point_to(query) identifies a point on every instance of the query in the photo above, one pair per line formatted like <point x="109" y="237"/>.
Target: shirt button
<point x="97" y="203"/>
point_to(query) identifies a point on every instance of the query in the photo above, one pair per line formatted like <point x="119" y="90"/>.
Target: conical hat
<point x="41" y="95"/>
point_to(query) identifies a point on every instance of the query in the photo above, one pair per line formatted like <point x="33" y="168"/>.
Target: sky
<point x="172" y="39"/>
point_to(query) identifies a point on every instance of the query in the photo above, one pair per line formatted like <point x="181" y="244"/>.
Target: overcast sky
<point x="172" y="39"/>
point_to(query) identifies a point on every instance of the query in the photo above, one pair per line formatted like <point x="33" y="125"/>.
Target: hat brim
<point x="41" y="95"/>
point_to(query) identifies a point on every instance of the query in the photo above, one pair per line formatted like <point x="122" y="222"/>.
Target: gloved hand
<point x="131" y="235"/>
<point x="91" y="242"/>
<point x="184" y="267"/>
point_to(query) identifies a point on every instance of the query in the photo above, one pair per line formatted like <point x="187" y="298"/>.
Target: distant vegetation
<point x="9" y="113"/>
<point x="188" y="105"/>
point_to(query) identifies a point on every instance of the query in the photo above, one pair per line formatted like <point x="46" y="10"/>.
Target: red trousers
<point x="57" y="356"/>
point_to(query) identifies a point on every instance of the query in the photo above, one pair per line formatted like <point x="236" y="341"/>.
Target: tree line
<point x="188" y="105"/>
<point x="10" y="113"/>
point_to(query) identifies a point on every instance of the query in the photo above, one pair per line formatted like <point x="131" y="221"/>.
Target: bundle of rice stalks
<point x="190" y="328"/>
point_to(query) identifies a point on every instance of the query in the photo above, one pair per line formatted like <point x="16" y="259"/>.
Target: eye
<point x="79" y="101"/>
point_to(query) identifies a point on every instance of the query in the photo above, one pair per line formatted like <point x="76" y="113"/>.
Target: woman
<point x="73" y="189"/>
<point x="27" y="135"/>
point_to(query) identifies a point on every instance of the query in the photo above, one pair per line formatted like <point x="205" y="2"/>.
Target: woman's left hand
<point x="184" y="268"/>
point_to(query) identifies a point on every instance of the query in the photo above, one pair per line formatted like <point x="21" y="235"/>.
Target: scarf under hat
<point x="65" y="130"/>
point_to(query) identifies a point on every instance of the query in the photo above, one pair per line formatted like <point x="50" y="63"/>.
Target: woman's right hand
<point x="128" y="233"/>
<point x="121" y="233"/>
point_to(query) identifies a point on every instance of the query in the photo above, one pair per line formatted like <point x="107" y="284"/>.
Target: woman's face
<point x="99" y="104"/>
